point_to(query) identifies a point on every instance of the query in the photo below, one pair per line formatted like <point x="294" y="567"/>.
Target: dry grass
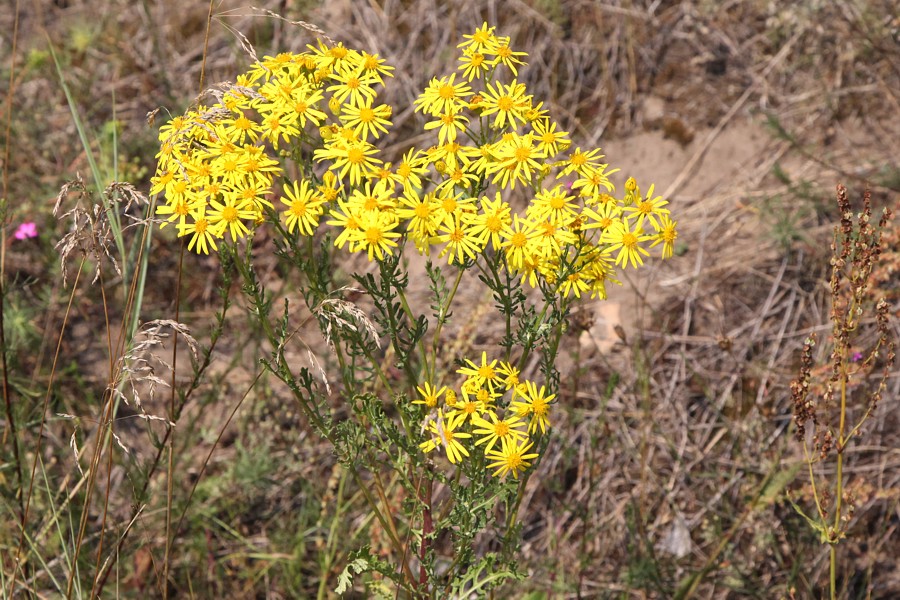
<point x="673" y="449"/>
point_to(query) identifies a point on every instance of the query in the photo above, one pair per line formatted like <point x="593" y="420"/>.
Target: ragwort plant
<point x="292" y="145"/>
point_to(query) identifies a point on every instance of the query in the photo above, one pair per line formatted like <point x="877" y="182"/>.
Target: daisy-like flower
<point x="372" y="198"/>
<point x="458" y="178"/>
<point x="497" y="430"/>
<point x="375" y="67"/>
<point x="365" y="120"/>
<point x="420" y="212"/>
<point x="430" y="394"/>
<point x="462" y="243"/>
<point x="627" y="241"/>
<point x="549" y="141"/>
<point x="411" y="168"/>
<point x="202" y="235"/>
<point x="507" y="102"/>
<point x="474" y="65"/>
<point x="536" y="404"/>
<point x="552" y="238"/>
<point x="375" y="235"/>
<point x="666" y="234"/>
<point x="239" y="128"/>
<point x="512" y="457"/>
<point x="553" y="205"/>
<point x="650" y="209"/>
<point x="230" y="215"/>
<point x="447" y="124"/>
<point x="516" y="241"/>
<point x="509" y="374"/>
<point x="442" y="95"/>
<point x="443" y="432"/>
<point x="355" y="158"/>
<point x="482" y="375"/>
<point x="517" y="160"/>
<point x="600" y="271"/>
<point x="579" y="160"/>
<point x="450" y="205"/>
<point x="304" y="208"/>
<point x="592" y="180"/>
<point x="574" y="283"/>
<point x="277" y="126"/>
<point x="507" y="57"/>
<point x="602" y="218"/>
<point x="483" y="40"/>
<point x="491" y="221"/>
<point x="348" y="218"/>
<point x="261" y="168"/>
<point x="353" y="87"/>
<point x="303" y="107"/>
<point x="474" y="402"/>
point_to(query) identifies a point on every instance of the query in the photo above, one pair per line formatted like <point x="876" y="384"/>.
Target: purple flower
<point x="26" y="230"/>
<point x="857" y="356"/>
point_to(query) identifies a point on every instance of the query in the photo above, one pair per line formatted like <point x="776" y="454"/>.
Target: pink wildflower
<point x="26" y="230"/>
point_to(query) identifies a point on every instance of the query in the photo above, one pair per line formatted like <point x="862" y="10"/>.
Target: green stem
<point x="440" y="323"/>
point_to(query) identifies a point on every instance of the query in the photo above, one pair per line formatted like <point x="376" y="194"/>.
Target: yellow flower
<point x="536" y="403"/>
<point x="483" y="375"/>
<point x="443" y="433"/>
<point x="482" y="40"/>
<point x="354" y="158"/>
<point x="420" y="211"/>
<point x="549" y="141"/>
<point x="229" y="214"/>
<point x="474" y="65"/>
<point x="517" y="240"/>
<point x="442" y="95"/>
<point x="627" y="241"/>
<point x="553" y="205"/>
<point x="649" y="208"/>
<point x="508" y="103"/>
<point x="353" y="87"/>
<point x="507" y="57"/>
<point x="430" y="395"/>
<point x="509" y="373"/>
<point x="512" y="457"/>
<point x="366" y="120"/>
<point x="666" y="234"/>
<point x="491" y="221"/>
<point x="517" y="160"/>
<point x="200" y="231"/>
<point x="447" y="125"/>
<point x="578" y="161"/>
<point x="497" y="429"/>
<point x="591" y="180"/>
<point x="462" y="243"/>
<point x="347" y="217"/>
<point x="375" y="235"/>
<point x="304" y="208"/>
<point x="411" y="168"/>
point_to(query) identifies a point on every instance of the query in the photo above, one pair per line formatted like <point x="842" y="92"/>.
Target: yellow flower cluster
<point x="452" y="419"/>
<point x="217" y="164"/>
<point x="216" y="168"/>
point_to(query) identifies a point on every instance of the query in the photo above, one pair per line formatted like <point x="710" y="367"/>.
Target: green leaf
<point x="345" y="579"/>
